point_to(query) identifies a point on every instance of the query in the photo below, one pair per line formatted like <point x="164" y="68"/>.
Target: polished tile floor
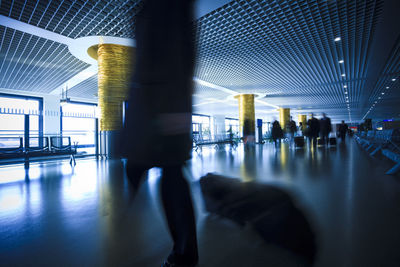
<point x="53" y="215"/>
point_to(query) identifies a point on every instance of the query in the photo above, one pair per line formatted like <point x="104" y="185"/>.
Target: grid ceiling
<point x="34" y="64"/>
<point x="282" y="49"/>
<point x="76" y="18"/>
<point x="386" y="92"/>
<point x="85" y="89"/>
<point x="288" y="46"/>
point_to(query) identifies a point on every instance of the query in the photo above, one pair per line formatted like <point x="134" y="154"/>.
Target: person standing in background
<point x="276" y="132"/>
<point x="291" y="129"/>
<point x="342" y="131"/>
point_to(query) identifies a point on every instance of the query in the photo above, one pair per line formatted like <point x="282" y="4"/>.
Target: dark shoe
<point x="170" y="264"/>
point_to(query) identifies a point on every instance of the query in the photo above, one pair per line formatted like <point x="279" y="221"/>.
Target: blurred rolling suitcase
<point x="271" y="212"/>
<point x="332" y="141"/>
<point x="299" y="141"/>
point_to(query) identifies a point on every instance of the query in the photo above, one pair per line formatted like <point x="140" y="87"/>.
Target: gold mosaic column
<point x="247" y="112"/>
<point x="302" y="119"/>
<point x="284" y="117"/>
<point x="115" y="68"/>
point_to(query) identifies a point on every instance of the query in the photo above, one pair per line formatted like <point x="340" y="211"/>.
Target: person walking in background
<point x="325" y="128"/>
<point x="342" y="131"/>
<point x="313" y="130"/>
<point x="159" y="115"/>
<point x="303" y="129"/>
<point x="276" y="132"/>
<point x="291" y="129"/>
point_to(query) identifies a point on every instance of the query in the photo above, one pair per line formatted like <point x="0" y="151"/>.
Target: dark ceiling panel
<point x="385" y="98"/>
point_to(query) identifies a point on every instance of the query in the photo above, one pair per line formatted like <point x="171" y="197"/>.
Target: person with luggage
<point x="301" y="128"/>
<point x="325" y="128"/>
<point x="291" y="129"/>
<point x="313" y="130"/>
<point x="343" y="128"/>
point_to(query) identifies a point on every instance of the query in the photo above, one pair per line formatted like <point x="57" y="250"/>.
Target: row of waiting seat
<point x="17" y="147"/>
<point x="386" y="142"/>
<point x="218" y="142"/>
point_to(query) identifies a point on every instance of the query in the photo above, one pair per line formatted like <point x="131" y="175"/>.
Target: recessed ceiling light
<point x="345" y="92"/>
<point x="341" y="61"/>
<point x="383" y="93"/>
<point x="337" y="39"/>
<point x="343" y="75"/>
<point x="393" y="80"/>
<point x="345" y="86"/>
<point x="387" y="87"/>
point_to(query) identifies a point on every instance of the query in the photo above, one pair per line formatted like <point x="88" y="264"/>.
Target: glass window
<point x="232" y="124"/>
<point x="12" y="110"/>
<point x="79" y="122"/>
<point x="201" y="127"/>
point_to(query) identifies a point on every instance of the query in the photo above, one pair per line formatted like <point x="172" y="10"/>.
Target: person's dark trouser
<point x="325" y="139"/>
<point x="178" y="209"/>
<point x="313" y="140"/>
<point x="343" y="137"/>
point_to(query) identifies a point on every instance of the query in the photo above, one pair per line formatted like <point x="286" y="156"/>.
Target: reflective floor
<point x="53" y="215"/>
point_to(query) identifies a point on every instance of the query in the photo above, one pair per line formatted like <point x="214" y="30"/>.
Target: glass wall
<point x="78" y="121"/>
<point x="201" y="127"/>
<point x="232" y="124"/>
<point x="12" y="119"/>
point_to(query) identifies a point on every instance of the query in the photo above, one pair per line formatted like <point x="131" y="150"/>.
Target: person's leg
<point x="135" y="174"/>
<point x="325" y="139"/>
<point x="314" y="141"/>
<point x="179" y="212"/>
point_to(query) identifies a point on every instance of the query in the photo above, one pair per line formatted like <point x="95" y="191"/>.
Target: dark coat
<point x="313" y="127"/>
<point x="343" y="129"/>
<point x="325" y="125"/>
<point x="276" y="132"/>
<point x="291" y="127"/>
<point x="159" y="113"/>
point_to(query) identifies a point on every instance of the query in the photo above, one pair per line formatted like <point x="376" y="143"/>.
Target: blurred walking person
<point x="325" y="128"/>
<point x="343" y="128"/>
<point x="313" y="130"/>
<point x="291" y="129"/>
<point x="159" y="115"/>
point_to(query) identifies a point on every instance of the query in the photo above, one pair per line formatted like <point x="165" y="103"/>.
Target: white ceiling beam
<point x="36" y="31"/>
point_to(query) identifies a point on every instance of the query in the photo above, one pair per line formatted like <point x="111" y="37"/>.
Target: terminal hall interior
<point x="294" y="125"/>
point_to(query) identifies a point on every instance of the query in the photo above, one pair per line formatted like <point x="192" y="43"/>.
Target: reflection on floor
<point x="52" y="215"/>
